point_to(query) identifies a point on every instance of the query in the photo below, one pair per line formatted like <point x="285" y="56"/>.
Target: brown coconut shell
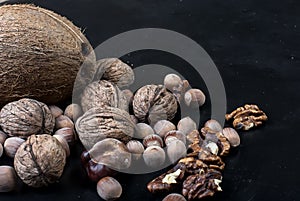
<point x="41" y="53"/>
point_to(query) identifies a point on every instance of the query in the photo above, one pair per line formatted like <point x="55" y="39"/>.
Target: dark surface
<point x="256" y="47"/>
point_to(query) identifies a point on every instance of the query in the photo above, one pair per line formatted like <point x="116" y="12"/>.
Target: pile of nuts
<point x="118" y="128"/>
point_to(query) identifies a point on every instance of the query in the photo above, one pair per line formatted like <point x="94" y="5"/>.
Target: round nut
<point x="173" y="82"/>
<point x="136" y="148"/>
<point x="11" y="146"/>
<point x="73" y="111"/>
<point x="153" y="140"/>
<point x="68" y="134"/>
<point x="174" y="197"/>
<point x="194" y="98"/>
<point x="1" y="150"/>
<point x="63" y="121"/>
<point x="162" y="127"/>
<point x="213" y="125"/>
<point x="174" y="135"/>
<point x="55" y="110"/>
<point x="154" y="156"/>
<point x="176" y="150"/>
<point x="232" y="136"/>
<point x="8" y="179"/>
<point x="143" y="130"/>
<point x="63" y="143"/>
<point x="186" y="125"/>
<point x="3" y="137"/>
<point x="109" y="188"/>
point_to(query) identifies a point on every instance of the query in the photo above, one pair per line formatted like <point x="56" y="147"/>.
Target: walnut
<point x="25" y="117"/>
<point x="212" y="161"/>
<point x="247" y="117"/>
<point x="115" y="71"/>
<point x="103" y="93"/>
<point x="107" y="122"/>
<point x="40" y="160"/>
<point x="154" y="103"/>
<point x="202" y="185"/>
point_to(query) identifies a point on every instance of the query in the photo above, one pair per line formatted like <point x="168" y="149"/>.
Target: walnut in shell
<point x="25" y="117"/>
<point x="40" y="160"/>
<point x="107" y="122"/>
<point x="154" y="103"/>
<point x="115" y="71"/>
<point x="103" y="93"/>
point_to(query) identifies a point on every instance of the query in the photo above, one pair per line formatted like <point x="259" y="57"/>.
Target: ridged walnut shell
<point x="115" y="71"/>
<point x="154" y="103"/>
<point x="40" y="160"/>
<point x="103" y="93"/>
<point x="100" y="123"/>
<point x="26" y="117"/>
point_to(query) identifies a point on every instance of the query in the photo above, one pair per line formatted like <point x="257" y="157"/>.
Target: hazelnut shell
<point x="153" y="140"/>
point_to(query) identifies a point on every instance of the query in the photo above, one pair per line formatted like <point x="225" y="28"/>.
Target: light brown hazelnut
<point x="63" y="121"/>
<point x="174" y="197"/>
<point x="176" y="149"/>
<point x="174" y="135"/>
<point x="73" y="111"/>
<point x="68" y="134"/>
<point x="194" y="98"/>
<point x="3" y="137"/>
<point x="186" y="125"/>
<point x="11" y="146"/>
<point x="163" y="126"/>
<point x="109" y="188"/>
<point x="173" y="82"/>
<point x="213" y="125"/>
<point x="232" y="136"/>
<point x="63" y="143"/>
<point x="153" y="140"/>
<point x="1" y="150"/>
<point x="143" y="130"/>
<point x="56" y="111"/>
<point x="136" y="148"/>
<point x="8" y="179"/>
<point x="154" y="156"/>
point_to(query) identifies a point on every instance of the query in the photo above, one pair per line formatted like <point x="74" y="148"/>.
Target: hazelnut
<point x="109" y="188"/>
<point x="232" y="136"/>
<point x="186" y="85"/>
<point x="186" y="125"/>
<point x="154" y="156"/>
<point x="56" y="111"/>
<point x="173" y="82"/>
<point x="3" y="137"/>
<point x="174" y="197"/>
<point x="163" y="126"/>
<point x="1" y="150"/>
<point x="68" y="134"/>
<point x="153" y="140"/>
<point x="8" y="179"/>
<point x="136" y="148"/>
<point x="73" y="111"/>
<point x="174" y="135"/>
<point x="213" y="125"/>
<point x="194" y="98"/>
<point x="11" y="146"/>
<point x="143" y="130"/>
<point x="176" y="150"/>
<point x="63" y="143"/>
<point x="63" y="121"/>
<point x="112" y="153"/>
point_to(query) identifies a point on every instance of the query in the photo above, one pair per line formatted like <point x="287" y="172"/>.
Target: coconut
<point x="41" y="53"/>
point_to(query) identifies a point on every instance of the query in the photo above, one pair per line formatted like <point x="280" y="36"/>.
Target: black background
<point x="256" y="46"/>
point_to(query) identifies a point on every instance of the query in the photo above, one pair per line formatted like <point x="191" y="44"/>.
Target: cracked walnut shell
<point x="103" y="93"/>
<point x="25" y="117"/>
<point x="154" y="103"/>
<point x="100" y="123"/>
<point x="40" y="160"/>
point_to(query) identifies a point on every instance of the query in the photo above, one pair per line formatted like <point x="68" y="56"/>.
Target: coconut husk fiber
<point x="40" y="54"/>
